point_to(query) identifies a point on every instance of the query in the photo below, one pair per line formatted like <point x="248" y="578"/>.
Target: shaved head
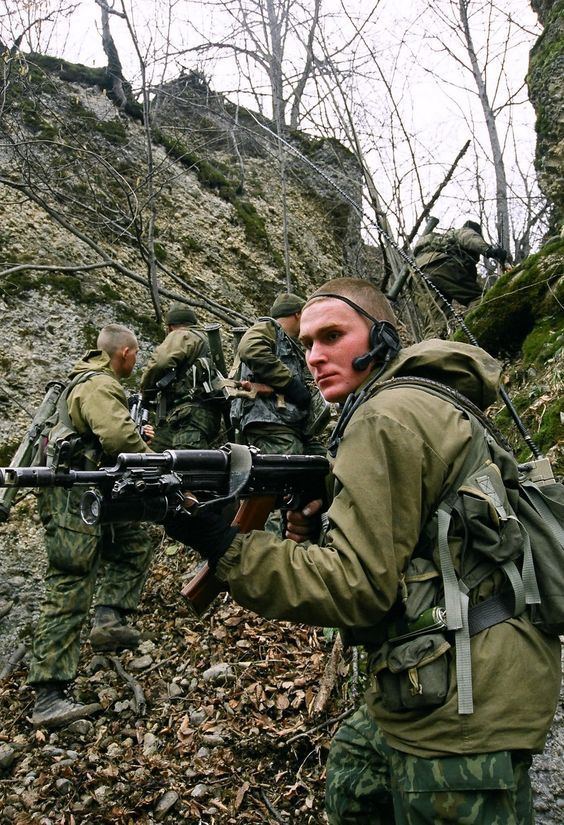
<point x="361" y="292"/>
<point x="114" y="337"/>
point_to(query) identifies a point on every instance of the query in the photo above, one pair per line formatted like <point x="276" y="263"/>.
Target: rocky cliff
<point x="80" y="198"/>
<point x="545" y="80"/>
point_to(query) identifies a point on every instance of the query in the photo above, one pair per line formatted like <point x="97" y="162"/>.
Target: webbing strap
<point x="450" y="581"/>
<point x="463" y="660"/>
<point x="532" y="595"/>
<point x="510" y="570"/>
<point x="536" y="499"/>
<point x="490" y="612"/>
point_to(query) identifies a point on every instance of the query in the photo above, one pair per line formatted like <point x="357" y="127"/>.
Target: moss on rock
<point x="522" y="298"/>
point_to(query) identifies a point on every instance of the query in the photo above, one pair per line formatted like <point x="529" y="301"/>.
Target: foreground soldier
<point x="450" y="260"/>
<point x="269" y="353"/>
<point x="98" y="411"/>
<point x="397" y="452"/>
<point x="174" y="378"/>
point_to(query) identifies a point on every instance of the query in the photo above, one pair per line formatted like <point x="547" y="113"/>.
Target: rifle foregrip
<point x="205" y="586"/>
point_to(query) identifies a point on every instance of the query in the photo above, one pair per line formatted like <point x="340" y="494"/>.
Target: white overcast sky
<point x="439" y="113"/>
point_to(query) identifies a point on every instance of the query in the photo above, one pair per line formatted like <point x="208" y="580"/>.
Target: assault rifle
<point x="139" y="413"/>
<point x="27" y="450"/>
<point x="150" y="486"/>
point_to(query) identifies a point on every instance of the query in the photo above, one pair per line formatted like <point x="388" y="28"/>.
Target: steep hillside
<point x="225" y="719"/>
<point x="521" y="322"/>
<point x="75" y="218"/>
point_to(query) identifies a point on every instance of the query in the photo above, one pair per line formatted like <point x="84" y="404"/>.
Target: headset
<point x="383" y="338"/>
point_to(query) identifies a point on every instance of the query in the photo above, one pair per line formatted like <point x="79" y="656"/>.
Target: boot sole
<point x="44" y="720"/>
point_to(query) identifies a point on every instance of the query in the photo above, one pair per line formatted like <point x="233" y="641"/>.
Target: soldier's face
<point x="333" y="335"/>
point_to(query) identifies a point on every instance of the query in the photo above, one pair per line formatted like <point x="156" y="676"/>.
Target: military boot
<point x="54" y="708"/>
<point x="111" y="632"/>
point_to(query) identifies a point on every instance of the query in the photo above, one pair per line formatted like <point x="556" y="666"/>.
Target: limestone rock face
<point x="75" y="202"/>
<point x="546" y="90"/>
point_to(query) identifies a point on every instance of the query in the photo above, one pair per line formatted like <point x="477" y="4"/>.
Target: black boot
<point x="111" y="632"/>
<point x="54" y="708"/>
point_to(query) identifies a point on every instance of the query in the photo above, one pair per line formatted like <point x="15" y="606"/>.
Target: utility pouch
<point x="412" y="675"/>
<point x="179" y="416"/>
<point x="489" y="517"/>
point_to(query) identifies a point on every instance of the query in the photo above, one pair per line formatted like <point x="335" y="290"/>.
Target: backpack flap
<point x="541" y="508"/>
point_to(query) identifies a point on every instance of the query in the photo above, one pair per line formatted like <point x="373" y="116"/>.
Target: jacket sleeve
<point x="103" y="408"/>
<point x="257" y="349"/>
<point x="387" y="475"/>
<point x="471" y="241"/>
<point x="179" y="346"/>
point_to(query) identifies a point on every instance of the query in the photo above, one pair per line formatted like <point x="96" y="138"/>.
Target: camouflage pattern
<point x="369" y="782"/>
<point x="98" y="409"/>
<point x="271" y="439"/>
<point x="192" y="427"/>
<point x="185" y="419"/>
<point x="75" y="552"/>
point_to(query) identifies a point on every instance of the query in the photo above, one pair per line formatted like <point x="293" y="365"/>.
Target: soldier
<point x="269" y="353"/>
<point x="450" y="260"/>
<point x="178" y="378"/>
<point x="96" y="411"/>
<point x="409" y="754"/>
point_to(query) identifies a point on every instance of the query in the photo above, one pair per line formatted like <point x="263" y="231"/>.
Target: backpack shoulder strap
<point x="62" y="405"/>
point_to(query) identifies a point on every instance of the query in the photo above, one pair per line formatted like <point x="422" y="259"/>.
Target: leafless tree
<point x="479" y="37"/>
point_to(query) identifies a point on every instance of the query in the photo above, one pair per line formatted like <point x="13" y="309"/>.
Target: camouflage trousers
<point x="195" y="431"/>
<point x="370" y="783"/>
<point x="75" y="553"/>
<point x="274" y="439"/>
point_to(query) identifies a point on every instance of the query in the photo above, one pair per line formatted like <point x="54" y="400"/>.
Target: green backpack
<point x="513" y="521"/>
<point x="59" y="444"/>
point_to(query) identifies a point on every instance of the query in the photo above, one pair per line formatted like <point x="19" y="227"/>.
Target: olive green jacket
<point x="98" y="406"/>
<point x="398" y="455"/>
<point x="450" y="260"/>
<point x="181" y="346"/>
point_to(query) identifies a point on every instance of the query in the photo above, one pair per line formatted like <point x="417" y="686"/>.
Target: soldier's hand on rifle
<point x="304" y="524"/>
<point x="498" y="253"/>
<point x="206" y="530"/>
<point x="297" y="392"/>
<point x="148" y="433"/>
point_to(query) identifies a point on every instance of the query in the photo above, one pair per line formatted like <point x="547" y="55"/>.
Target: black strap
<point x="491" y="611"/>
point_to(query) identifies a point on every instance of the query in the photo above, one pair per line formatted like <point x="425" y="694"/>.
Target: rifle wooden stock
<point x="205" y="586"/>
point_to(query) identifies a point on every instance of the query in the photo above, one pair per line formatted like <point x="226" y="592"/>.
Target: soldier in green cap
<point x="269" y="353"/>
<point x="416" y="752"/>
<point x="94" y="409"/>
<point x="178" y="380"/>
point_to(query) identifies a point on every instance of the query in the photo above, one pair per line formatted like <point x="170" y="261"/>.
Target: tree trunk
<point x="497" y="155"/>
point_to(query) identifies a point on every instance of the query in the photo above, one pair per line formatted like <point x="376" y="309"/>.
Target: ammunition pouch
<point x="413" y="675"/>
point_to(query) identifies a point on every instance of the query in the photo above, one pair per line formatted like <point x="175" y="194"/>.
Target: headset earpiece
<point x="384" y="345"/>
